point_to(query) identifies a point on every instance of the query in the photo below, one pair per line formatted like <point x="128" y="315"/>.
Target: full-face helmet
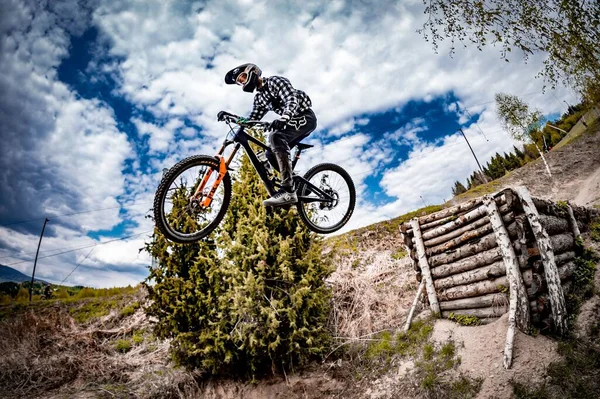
<point x="245" y="75"/>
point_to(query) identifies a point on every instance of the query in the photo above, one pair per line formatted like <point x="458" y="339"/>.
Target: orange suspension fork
<point x="222" y="171"/>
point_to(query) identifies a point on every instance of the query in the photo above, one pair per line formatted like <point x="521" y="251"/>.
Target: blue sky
<point x="98" y="97"/>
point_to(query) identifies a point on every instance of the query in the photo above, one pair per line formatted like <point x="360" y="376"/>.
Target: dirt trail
<point x="575" y="172"/>
<point x="481" y="350"/>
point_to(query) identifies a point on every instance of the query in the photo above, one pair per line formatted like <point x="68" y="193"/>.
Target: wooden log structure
<point x="565" y="257"/>
<point x="496" y="269"/>
<point x="557" y="298"/>
<point x="431" y="294"/>
<point x="470" y="249"/>
<point x="507" y="252"/>
<point x="518" y="309"/>
<point x="564" y="272"/>
<point x="554" y="224"/>
<point x="573" y="222"/>
<point x="414" y="305"/>
<point x="488" y="320"/>
<point x="472" y="262"/>
<point x="455" y="224"/>
<point x="492" y="311"/>
<point x="489" y="286"/>
<point x="562" y="242"/>
<point x="450" y="212"/>
<point x="481" y="222"/>
<point x="475" y="302"/>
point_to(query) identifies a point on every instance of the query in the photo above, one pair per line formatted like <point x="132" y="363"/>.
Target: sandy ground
<point x="575" y="172"/>
<point x="481" y="350"/>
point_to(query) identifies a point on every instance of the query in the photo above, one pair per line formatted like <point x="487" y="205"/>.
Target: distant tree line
<point x="546" y="138"/>
<point x="11" y="292"/>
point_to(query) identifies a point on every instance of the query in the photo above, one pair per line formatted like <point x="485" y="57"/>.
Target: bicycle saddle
<point x="302" y="146"/>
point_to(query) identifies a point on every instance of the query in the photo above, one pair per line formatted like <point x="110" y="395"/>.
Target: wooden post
<point x="511" y="262"/>
<point x="518" y="313"/>
<point x="555" y="292"/>
<point x="414" y="305"/>
<point x="573" y="222"/>
<point x="431" y="295"/>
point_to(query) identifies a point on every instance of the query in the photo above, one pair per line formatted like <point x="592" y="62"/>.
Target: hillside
<point x="8" y="274"/>
<point x="102" y="346"/>
<point x="575" y="167"/>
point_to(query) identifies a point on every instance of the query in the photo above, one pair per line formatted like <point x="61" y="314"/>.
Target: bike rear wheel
<point x="326" y="217"/>
<point x="180" y="217"/>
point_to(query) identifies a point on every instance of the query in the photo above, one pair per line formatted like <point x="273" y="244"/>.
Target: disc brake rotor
<point x="331" y="204"/>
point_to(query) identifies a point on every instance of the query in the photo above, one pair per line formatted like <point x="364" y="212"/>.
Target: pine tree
<point x="496" y="168"/>
<point x="250" y="303"/>
<point x="519" y="153"/>
<point x="280" y="302"/>
<point x="458" y="188"/>
<point x="513" y="162"/>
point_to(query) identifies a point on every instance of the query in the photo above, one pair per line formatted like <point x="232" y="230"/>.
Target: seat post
<point x="296" y="157"/>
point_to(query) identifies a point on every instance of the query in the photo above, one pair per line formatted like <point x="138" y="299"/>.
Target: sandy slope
<point x="575" y="172"/>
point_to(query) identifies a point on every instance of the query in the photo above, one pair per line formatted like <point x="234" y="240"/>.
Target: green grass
<point x="482" y="189"/>
<point x="595" y="230"/>
<point x="123" y="345"/>
<point x="568" y="139"/>
<point x="138" y="337"/>
<point x="92" y="309"/>
<point x="464" y="320"/>
<point x="130" y="309"/>
<point x="399" y="254"/>
<point x="431" y="371"/>
<point x="432" y="362"/>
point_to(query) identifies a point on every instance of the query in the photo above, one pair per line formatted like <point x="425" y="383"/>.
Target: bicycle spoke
<point x="185" y="214"/>
<point x="326" y="214"/>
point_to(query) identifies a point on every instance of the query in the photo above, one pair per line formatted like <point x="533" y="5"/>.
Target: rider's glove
<point x="279" y="124"/>
<point x="221" y="115"/>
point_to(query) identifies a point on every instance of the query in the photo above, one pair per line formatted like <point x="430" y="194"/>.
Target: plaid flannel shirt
<point x="278" y="95"/>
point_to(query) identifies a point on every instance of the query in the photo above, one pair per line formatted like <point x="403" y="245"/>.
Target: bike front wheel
<point x="182" y="216"/>
<point x="320" y="215"/>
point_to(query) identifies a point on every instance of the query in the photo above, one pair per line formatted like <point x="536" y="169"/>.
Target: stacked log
<point x="467" y="269"/>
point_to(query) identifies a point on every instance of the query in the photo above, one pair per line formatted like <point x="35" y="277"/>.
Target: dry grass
<point x="370" y="294"/>
<point x="49" y="353"/>
<point x="41" y="353"/>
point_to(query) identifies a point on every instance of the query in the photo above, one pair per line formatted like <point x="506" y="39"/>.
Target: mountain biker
<point x="296" y="121"/>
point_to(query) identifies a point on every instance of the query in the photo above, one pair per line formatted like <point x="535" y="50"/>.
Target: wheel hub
<point x="331" y="204"/>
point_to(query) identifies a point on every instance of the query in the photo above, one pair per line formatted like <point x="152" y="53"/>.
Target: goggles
<point x="242" y="79"/>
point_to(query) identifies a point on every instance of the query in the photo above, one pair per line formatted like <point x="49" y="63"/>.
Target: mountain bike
<point x="193" y="196"/>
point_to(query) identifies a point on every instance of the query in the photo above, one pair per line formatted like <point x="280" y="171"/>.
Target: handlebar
<point x="230" y="118"/>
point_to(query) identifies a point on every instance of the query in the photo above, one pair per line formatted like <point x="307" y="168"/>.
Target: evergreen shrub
<point x="249" y="300"/>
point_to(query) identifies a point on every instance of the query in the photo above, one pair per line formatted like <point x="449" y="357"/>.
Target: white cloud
<point x="64" y="154"/>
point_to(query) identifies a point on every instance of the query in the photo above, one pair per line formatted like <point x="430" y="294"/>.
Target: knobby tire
<point x="352" y="191"/>
<point x="161" y="194"/>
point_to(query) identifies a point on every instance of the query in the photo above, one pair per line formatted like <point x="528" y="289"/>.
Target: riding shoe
<point x="280" y="198"/>
<point x="287" y="194"/>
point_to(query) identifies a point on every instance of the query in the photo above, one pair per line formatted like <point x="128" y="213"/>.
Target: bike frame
<point x="243" y="139"/>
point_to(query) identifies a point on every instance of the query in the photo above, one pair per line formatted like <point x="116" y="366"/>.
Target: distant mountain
<point x="10" y="274"/>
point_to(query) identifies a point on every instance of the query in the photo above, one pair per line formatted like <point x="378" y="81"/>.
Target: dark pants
<point x="297" y="129"/>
